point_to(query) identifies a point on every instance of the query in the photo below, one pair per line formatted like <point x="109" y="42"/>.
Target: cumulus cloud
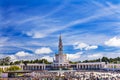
<point x="48" y="58"/>
<point x="89" y="56"/>
<point x="84" y="46"/>
<point x="92" y="56"/>
<point x="91" y="47"/>
<point x="43" y="50"/>
<point x="13" y="58"/>
<point x="22" y="54"/>
<point x="75" y="57"/>
<point x="115" y="42"/>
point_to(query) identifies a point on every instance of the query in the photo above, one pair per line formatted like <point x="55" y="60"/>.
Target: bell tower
<point x="60" y="46"/>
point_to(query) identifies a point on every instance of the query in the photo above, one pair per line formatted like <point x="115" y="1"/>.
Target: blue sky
<point x="30" y="29"/>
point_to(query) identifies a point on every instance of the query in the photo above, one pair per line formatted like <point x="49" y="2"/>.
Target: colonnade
<point x="90" y="66"/>
<point x="113" y="67"/>
<point x="33" y="67"/>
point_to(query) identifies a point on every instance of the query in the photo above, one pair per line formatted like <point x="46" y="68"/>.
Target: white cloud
<point x="112" y="54"/>
<point x="95" y="56"/>
<point x="35" y="34"/>
<point x="43" y="50"/>
<point x="91" y="47"/>
<point x="90" y="56"/>
<point x="115" y="42"/>
<point x="80" y="46"/>
<point x="74" y="57"/>
<point x="84" y="46"/>
<point x="48" y="58"/>
<point x="22" y="54"/>
<point x="13" y="58"/>
<point x="98" y="14"/>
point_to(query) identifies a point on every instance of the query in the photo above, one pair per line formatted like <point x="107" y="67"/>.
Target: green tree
<point x="72" y="62"/>
<point x="1" y="70"/>
<point x="105" y="59"/>
<point x="45" y="61"/>
<point x="5" y="61"/>
<point x="17" y="62"/>
<point x="13" y="68"/>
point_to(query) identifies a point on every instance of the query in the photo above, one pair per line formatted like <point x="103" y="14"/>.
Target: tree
<point x="5" y="61"/>
<point x="45" y="61"/>
<point x="105" y="59"/>
<point x="17" y="62"/>
<point x="72" y="62"/>
<point x="1" y="70"/>
<point x="13" y="68"/>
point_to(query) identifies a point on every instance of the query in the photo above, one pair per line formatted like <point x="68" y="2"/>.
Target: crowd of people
<point x="92" y="76"/>
<point x="70" y="75"/>
<point x="76" y="75"/>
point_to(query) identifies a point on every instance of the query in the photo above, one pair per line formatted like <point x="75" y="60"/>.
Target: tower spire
<point x="60" y="45"/>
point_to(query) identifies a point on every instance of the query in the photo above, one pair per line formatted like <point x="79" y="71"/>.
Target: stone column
<point x="81" y="66"/>
<point x="42" y="67"/>
<point x="78" y="66"/>
<point x="88" y="67"/>
<point x="85" y="66"/>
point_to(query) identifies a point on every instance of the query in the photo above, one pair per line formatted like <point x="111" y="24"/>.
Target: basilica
<point x="60" y="58"/>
